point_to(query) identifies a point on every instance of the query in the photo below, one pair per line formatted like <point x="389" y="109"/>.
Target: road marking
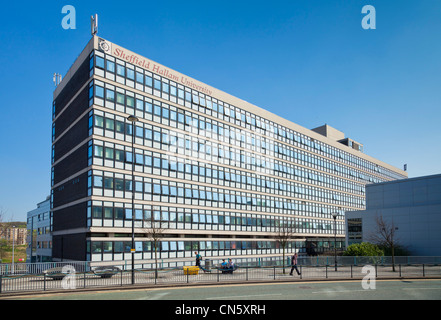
<point x="246" y="296"/>
<point x="157" y="296"/>
<point x="421" y="289"/>
<point x="340" y="291"/>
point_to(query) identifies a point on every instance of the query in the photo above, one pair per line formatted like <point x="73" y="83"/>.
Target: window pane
<point x="110" y="95"/>
<point x="99" y="62"/>
<point x="111" y="66"/>
<point x="99" y="121"/>
<point x="99" y="91"/>
<point x="98" y="181"/>
<point x="120" y="70"/>
<point x="120" y="98"/>
<point x="110" y="124"/>
<point x="97" y="212"/>
<point x="148" y="81"/>
<point x="130" y="74"/>
<point x="109" y="153"/>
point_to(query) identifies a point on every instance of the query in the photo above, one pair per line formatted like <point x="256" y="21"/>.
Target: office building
<point x="412" y="207"/>
<point x="39" y="236"/>
<point x="219" y="174"/>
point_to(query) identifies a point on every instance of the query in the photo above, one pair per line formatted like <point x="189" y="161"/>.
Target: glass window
<point x="157" y="162"/>
<point x="130" y="74"/>
<point x="128" y="214"/>
<point x="110" y="124"/>
<point x="148" y="81"/>
<point x="119" y="126"/>
<point x="130" y="102"/>
<point x="139" y="104"/>
<point x="107" y="246"/>
<point x="108" y="213"/>
<point x="157" y="189"/>
<point x="96" y="247"/>
<point x="119" y="213"/>
<point x="119" y="155"/>
<point x="148" y="107"/>
<point x="98" y="181"/>
<point x="110" y="95"/>
<point x="108" y="183"/>
<point x="120" y="70"/>
<point x="139" y="77"/>
<point x="139" y="158"/>
<point x="98" y="151"/>
<point x="157" y="110"/>
<point x="120" y="98"/>
<point x="139" y="132"/>
<point x="99" y="91"/>
<point x="110" y="66"/>
<point x="118" y="247"/>
<point x="119" y="184"/>
<point x="109" y="153"/>
<point x="157" y="84"/>
<point x="97" y="212"/>
<point x="148" y="134"/>
<point x="100" y="62"/>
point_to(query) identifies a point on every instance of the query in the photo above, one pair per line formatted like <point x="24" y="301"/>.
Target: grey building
<point x="413" y="206"/>
<point x="39" y="237"/>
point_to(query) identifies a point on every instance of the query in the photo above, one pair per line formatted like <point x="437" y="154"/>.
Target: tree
<point x="285" y="232"/>
<point x="364" y="249"/>
<point x="384" y="236"/>
<point x="154" y="229"/>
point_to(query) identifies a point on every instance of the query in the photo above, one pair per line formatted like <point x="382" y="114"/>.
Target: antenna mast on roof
<point x="57" y="79"/>
<point x="94" y="24"/>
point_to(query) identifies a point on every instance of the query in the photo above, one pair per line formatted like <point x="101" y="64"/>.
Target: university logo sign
<point x="104" y="46"/>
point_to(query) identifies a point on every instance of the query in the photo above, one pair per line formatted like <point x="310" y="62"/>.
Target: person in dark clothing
<point x="198" y="259"/>
<point x="294" y="264"/>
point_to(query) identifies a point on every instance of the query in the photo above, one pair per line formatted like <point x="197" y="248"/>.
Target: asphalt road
<point x="319" y="290"/>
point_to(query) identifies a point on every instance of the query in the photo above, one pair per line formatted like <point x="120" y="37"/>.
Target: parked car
<point x="106" y="271"/>
<point x="56" y="273"/>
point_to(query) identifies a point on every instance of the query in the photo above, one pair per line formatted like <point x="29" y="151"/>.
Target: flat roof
<point x="434" y="176"/>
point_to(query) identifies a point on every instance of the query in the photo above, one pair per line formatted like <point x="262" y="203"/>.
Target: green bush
<point x="364" y="249"/>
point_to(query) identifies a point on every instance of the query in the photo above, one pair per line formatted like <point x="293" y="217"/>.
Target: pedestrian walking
<point x="198" y="259"/>
<point x="294" y="264"/>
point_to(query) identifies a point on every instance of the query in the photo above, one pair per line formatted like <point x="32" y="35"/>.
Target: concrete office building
<point x="39" y="236"/>
<point x="219" y="173"/>
<point x="412" y="206"/>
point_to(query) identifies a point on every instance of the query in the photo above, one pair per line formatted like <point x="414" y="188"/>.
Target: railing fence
<point x="78" y="274"/>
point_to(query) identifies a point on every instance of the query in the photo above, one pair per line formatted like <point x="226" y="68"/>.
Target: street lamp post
<point x="133" y="120"/>
<point x="334" y="215"/>
<point x="13" y="249"/>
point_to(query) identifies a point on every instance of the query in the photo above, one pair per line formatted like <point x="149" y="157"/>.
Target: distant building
<point x="39" y="226"/>
<point x="412" y="205"/>
<point x="14" y="234"/>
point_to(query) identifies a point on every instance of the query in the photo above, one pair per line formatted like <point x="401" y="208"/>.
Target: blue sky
<point x="308" y="61"/>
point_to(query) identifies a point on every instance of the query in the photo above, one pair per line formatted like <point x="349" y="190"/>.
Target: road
<point x="428" y="289"/>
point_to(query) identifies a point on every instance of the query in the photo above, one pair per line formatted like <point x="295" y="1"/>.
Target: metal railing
<point x="83" y="275"/>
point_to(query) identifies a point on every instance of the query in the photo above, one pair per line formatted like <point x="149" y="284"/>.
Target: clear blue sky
<point x="308" y="61"/>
